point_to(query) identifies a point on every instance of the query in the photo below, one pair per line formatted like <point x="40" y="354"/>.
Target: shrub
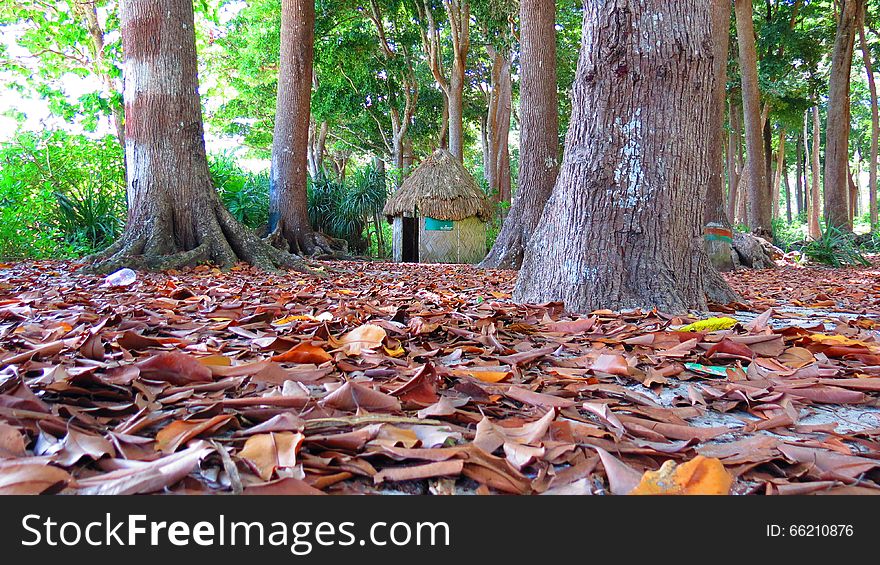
<point x="245" y="195"/>
<point x="835" y="248"/>
<point x="63" y="194"/>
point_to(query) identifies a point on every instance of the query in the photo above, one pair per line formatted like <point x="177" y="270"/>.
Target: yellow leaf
<point x="838" y="339"/>
<point x="289" y="319"/>
<point x="485" y="376"/>
<point x="700" y="475"/>
<point x="709" y="325"/>
<point x="396" y="352"/>
<point x="216" y="360"/>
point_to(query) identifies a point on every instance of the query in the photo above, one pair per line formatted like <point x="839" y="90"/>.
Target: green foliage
<point x="62" y="194"/>
<point x="245" y="195"/>
<point x="835" y="248"/>
<point x="349" y="210"/>
<point x="788" y="236"/>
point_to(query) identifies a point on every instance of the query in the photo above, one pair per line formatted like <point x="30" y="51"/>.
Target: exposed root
<point x="308" y="243"/>
<point x="223" y="242"/>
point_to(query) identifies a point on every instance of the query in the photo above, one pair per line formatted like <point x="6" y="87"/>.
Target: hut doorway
<point x="410" y="240"/>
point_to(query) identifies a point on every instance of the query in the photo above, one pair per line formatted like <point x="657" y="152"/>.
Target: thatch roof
<point x="440" y="187"/>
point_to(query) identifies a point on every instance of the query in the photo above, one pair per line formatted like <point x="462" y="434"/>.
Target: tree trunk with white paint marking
<point x="623" y="227"/>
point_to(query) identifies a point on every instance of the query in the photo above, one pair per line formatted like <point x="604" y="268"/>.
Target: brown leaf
<point x="179" y="432"/>
<point x="136" y="477"/>
<point x="352" y="396"/>
<point x="175" y="368"/>
<point x="20" y="476"/>
<point x="267" y="452"/>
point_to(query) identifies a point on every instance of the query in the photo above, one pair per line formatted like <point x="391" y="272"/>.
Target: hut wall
<point x="465" y="243"/>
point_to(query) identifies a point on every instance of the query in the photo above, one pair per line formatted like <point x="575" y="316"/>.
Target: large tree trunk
<point x="837" y="210"/>
<point x="539" y="133"/>
<point x="175" y="217"/>
<point x="759" y="207"/>
<point x="875" y="129"/>
<point x="289" y="226"/>
<point x="813" y="229"/>
<point x="623" y="226"/>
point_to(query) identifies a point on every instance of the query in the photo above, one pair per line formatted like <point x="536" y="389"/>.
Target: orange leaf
<point x="305" y="352"/>
<point x="267" y="452"/>
<point x="179" y="432"/>
<point x="700" y="475"/>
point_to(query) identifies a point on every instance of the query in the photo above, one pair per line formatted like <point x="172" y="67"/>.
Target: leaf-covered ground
<point x="427" y="379"/>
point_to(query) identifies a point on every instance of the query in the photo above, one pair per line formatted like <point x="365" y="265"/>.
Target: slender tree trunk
<point x="175" y="217"/>
<point x="496" y="158"/>
<point x="813" y="228"/>
<point x="289" y="226"/>
<point x="539" y="133"/>
<point x="787" y="185"/>
<point x="837" y="210"/>
<point x="759" y="206"/>
<point x="734" y="161"/>
<point x="799" y="181"/>
<point x="875" y="129"/>
<point x="777" y="179"/>
<point x="623" y="226"/>
<point x="715" y="209"/>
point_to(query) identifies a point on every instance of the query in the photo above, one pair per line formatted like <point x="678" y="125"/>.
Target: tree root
<point x="222" y="241"/>
<point x="308" y="243"/>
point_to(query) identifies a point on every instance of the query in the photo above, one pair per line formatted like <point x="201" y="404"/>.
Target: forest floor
<point x="427" y="379"/>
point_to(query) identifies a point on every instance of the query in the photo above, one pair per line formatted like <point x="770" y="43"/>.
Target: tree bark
<point x="813" y="228"/>
<point x="623" y="227"/>
<point x="175" y="217"/>
<point x="458" y="13"/>
<point x="777" y="179"/>
<point x="837" y="209"/>
<point x="734" y="161"/>
<point x="496" y="156"/>
<point x="799" y="181"/>
<point x="759" y="206"/>
<point x="875" y="129"/>
<point x="715" y="209"/>
<point x="786" y="183"/>
<point x="539" y="133"/>
<point x="289" y="226"/>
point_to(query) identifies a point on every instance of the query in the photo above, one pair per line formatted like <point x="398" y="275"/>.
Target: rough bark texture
<point x="289" y="226"/>
<point x="837" y="209"/>
<point x="759" y="207"/>
<point x="875" y="128"/>
<point x="539" y="133"/>
<point x="715" y="209"/>
<point x="175" y="217"/>
<point x="813" y="229"/>
<point x="623" y="227"/>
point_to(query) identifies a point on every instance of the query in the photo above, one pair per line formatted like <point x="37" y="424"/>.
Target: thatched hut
<point x="439" y="214"/>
